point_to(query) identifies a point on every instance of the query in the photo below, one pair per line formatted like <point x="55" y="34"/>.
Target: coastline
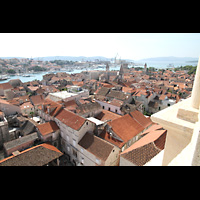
<point x="39" y="76"/>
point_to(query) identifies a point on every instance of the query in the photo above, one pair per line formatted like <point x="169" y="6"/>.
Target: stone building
<point x="20" y="143"/>
<point x="72" y="128"/>
<point x="4" y="134"/>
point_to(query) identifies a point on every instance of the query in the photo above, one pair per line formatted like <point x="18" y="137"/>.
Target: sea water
<point x="156" y="64"/>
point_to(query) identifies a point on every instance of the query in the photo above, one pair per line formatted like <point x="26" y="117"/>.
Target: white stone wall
<point x="112" y="107"/>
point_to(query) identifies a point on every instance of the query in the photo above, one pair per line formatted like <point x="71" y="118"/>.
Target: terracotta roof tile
<point x="125" y="128"/>
<point x="6" y="86"/>
<point x="146" y="148"/>
<point x="70" y="119"/>
<point x="141" y="155"/>
<point x="153" y="128"/>
<point x="37" y="99"/>
<point x="107" y="115"/>
<point x="148" y="138"/>
<point x="35" y="156"/>
<point x="52" y="105"/>
<point x="162" y="97"/>
<point x="96" y="146"/>
<point x="106" y="136"/>
<point x="47" y="128"/>
<point x="140" y="118"/>
<point x="116" y="102"/>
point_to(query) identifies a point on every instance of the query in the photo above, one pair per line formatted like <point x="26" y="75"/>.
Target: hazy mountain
<point x="170" y="58"/>
<point x="72" y="58"/>
<point x="10" y="57"/>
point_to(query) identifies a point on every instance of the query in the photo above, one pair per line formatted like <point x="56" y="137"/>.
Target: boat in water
<point x="3" y="77"/>
<point x="171" y="65"/>
<point x="26" y="75"/>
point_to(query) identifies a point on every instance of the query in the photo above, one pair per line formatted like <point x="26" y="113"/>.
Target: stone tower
<point x="107" y="67"/>
<point x="107" y="73"/>
<point x="121" y="73"/>
<point x="145" y="68"/>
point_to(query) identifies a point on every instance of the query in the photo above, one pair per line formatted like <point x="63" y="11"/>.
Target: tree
<point x="37" y="68"/>
<point x="11" y="71"/>
<point x="32" y="113"/>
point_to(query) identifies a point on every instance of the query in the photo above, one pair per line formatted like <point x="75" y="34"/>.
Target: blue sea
<point x="156" y="64"/>
<point x="165" y="64"/>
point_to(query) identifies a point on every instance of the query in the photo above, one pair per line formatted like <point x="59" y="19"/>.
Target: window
<point x="103" y="107"/>
<point x="68" y="149"/>
<point x="55" y="144"/>
<point x="109" y="109"/>
<point x="116" y="110"/>
<point x="74" y="153"/>
<point x="82" y="161"/>
<point x="168" y="104"/>
<point x="123" y="148"/>
<point x="97" y="161"/>
<point x="68" y="138"/>
<point x="74" y="142"/>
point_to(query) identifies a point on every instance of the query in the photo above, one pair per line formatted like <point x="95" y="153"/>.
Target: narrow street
<point x="64" y="161"/>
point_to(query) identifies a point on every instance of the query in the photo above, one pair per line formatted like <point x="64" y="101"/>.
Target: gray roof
<point x="103" y="91"/>
<point x="15" y="82"/>
<point x="97" y="146"/>
<point x="28" y="127"/>
<point x="117" y="94"/>
<point x="20" y="141"/>
<point x="36" y="156"/>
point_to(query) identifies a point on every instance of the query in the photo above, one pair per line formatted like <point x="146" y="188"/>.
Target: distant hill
<point x="171" y="58"/>
<point x="72" y="58"/>
<point x="10" y="57"/>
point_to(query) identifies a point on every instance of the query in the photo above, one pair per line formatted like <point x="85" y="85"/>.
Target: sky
<point x="133" y="46"/>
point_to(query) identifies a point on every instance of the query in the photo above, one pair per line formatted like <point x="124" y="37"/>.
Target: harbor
<point x="25" y="77"/>
<point x="30" y="76"/>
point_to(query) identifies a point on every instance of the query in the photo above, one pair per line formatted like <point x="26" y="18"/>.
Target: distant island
<point x="192" y="61"/>
<point x="101" y="58"/>
<point x="171" y="58"/>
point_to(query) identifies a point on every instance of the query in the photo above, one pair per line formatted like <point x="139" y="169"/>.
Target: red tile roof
<point x="116" y="102"/>
<point x="35" y="156"/>
<point x="52" y="105"/>
<point x="105" y="115"/>
<point x="47" y="128"/>
<point x="6" y="86"/>
<point x="146" y="148"/>
<point x="148" y="138"/>
<point x="154" y="127"/>
<point x="141" y="119"/>
<point x="70" y="119"/>
<point x="106" y="136"/>
<point x="125" y="128"/>
<point x="37" y="99"/>
<point x="96" y="146"/>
